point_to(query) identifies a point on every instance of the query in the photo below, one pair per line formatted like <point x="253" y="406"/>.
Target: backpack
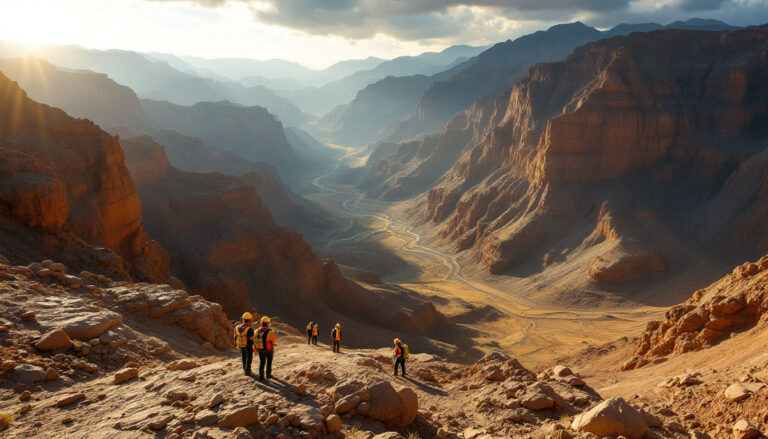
<point x="261" y="336"/>
<point x="241" y="339"/>
<point x="406" y="352"/>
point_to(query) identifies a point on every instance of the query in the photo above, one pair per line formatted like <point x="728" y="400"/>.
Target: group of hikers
<point x="263" y="339"/>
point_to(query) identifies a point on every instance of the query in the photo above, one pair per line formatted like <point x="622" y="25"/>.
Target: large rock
<point x="394" y="409"/>
<point x="82" y="321"/>
<point x="742" y="429"/>
<point x="54" y="340"/>
<point x="239" y="415"/>
<point x="126" y="374"/>
<point x="740" y="391"/>
<point x="612" y="417"/>
<point x="28" y="374"/>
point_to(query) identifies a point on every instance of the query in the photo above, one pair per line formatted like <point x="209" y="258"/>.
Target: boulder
<point x="86" y="323"/>
<point x="239" y="415"/>
<point x="215" y="400"/>
<point x="28" y="316"/>
<point x="741" y="391"/>
<point x="51" y="374"/>
<point x="70" y="399"/>
<point x="561" y="371"/>
<point x="536" y="401"/>
<point x="332" y="423"/>
<point x="28" y="374"/>
<point x="388" y="407"/>
<point x="54" y="340"/>
<point x="612" y="417"/>
<point x="206" y="417"/>
<point x="410" y="406"/>
<point x="7" y="366"/>
<point x="184" y="364"/>
<point x="742" y="429"/>
<point x="126" y="374"/>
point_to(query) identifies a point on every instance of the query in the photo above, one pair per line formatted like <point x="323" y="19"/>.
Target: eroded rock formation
<point x="65" y="186"/>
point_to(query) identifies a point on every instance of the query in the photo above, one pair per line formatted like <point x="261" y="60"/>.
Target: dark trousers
<point x="314" y="340"/>
<point x="247" y="354"/>
<point x="336" y="345"/>
<point x="401" y="363"/>
<point x="265" y="359"/>
<point x="309" y="337"/>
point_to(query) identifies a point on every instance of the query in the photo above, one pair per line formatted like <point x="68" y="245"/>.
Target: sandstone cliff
<point x="65" y="186"/>
<point x="636" y="158"/>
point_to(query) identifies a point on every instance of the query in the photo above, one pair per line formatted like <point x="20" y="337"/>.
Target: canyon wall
<point x="638" y="158"/>
<point x="66" y="188"/>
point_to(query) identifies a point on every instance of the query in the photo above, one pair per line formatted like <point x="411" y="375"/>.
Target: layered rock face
<point x="736" y="302"/>
<point x="632" y="157"/>
<point x="65" y="185"/>
<point x="225" y="245"/>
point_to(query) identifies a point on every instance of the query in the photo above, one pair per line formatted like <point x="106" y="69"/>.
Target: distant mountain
<point x="320" y="100"/>
<point x="376" y="110"/>
<point x="237" y="68"/>
<point x="158" y="80"/>
<point x="82" y="94"/>
<point x="250" y="132"/>
<point x="499" y="67"/>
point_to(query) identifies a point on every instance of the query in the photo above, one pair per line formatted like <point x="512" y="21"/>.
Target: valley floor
<point x="374" y="236"/>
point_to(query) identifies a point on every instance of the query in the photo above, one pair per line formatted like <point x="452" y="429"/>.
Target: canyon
<point x="565" y="257"/>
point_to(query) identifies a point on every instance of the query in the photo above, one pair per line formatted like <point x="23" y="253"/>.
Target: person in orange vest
<point x="264" y="343"/>
<point x="336" y="337"/>
<point x="244" y="340"/>
<point x="310" y="325"/>
<point x="401" y="354"/>
<point x="314" y="334"/>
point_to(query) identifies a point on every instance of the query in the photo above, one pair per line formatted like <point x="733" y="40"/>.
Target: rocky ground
<point x="86" y="356"/>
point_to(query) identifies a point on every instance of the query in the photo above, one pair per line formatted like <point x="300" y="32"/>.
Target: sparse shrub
<point x="413" y="435"/>
<point x="5" y="420"/>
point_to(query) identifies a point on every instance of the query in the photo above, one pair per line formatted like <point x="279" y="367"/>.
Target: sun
<point x="27" y="22"/>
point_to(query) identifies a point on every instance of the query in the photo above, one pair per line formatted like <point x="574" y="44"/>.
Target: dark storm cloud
<point x="468" y="20"/>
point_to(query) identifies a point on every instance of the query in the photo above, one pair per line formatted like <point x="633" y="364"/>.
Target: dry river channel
<point x="532" y="332"/>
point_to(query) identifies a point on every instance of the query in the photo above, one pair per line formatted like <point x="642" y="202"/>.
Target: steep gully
<point x="534" y="323"/>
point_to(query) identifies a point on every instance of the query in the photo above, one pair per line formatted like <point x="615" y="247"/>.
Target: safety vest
<point x="241" y="337"/>
<point x="401" y="351"/>
<point x="262" y="342"/>
<point x="309" y="327"/>
<point x="314" y="330"/>
<point x="336" y="334"/>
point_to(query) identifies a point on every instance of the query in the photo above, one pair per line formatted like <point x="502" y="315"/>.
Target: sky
<point x="317" y="33"/>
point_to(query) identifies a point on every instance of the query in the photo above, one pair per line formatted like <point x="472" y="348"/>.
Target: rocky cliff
<point x="634" y="158"/>
<point x="225" y="246"/>
<point x="66" y="188"/>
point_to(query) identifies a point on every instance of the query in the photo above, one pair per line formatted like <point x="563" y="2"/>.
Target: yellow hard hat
<point x="338" y="324"/>
<point x="247" y="316"/>
<point x="397" y="340"/>
<point x="265" y="319"/>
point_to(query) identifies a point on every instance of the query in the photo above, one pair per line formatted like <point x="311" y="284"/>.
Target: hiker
<point x="314" y="334"/>
<point x="244" y="340"/>
<point x="264" y="344"/>
<point x="401" y="354"/>
<point x="310" y="325"/>
<point x="336" y="337"/>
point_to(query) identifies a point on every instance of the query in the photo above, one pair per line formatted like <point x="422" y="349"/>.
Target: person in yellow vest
<point x="264" y="343"/>
<point x="336" y="337"/>
<point x="314" y="334"/>
<point x="244" y="340"/>
<point x="309" y="332"/>
<point x="401" y="354"/>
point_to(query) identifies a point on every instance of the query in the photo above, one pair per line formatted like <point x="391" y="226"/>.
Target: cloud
<point x="475" y="20"/>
